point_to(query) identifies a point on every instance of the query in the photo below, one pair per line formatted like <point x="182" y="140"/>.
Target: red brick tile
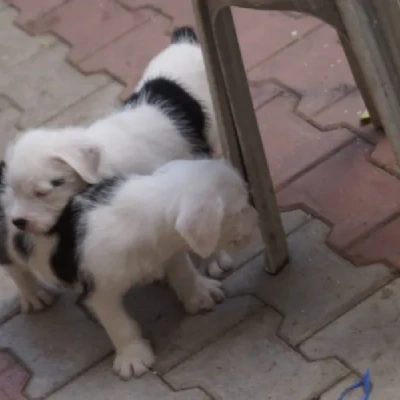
<point x="31" y="10"/>
<point x="263" y="33"/>
<point x="383" y="156"/>
<point x="263" y="91"/>
<point x="180" y="12"/>
<point x="380" y="246"/>
<point x="126" y="57"/>
<point x="348" y="192"/>
<point x="291" y="144"/>
<point x="346" y="112"/>
<point x="315" y="67"/>
<point x="89" y="25"/>
<point x="13" y="378"/>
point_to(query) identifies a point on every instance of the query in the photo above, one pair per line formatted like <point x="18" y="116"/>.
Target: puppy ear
<point x="199" y="224"/>
<point x="84" y="159"/>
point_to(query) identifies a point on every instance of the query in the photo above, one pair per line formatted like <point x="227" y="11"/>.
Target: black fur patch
<point x="184" y="34"/>
<point x="65" y="258"/>
<point x="179" y="106"/>
<point x="22" y="245"/>
<point x="70" y="230"/>
<point x="100" y="193"/>
<point x="4" y="256"/>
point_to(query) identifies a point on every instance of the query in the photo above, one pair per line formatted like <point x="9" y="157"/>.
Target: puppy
<point x="133" y="230"/>
<point x="169" y="116"/>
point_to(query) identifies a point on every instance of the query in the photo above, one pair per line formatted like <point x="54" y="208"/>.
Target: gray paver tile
<point x="175" y="335"/>
<point x="316" y="287"/>
<point x="291" y="221"/>
<point x="3" y="5"/>
<point x="50" y="86"/>
<point x="55" y="345"/>
<point x="194" y="333"/>
<point x="251" y="362"/>
<point x="99" y="383"/>
<point x="336" y="390"/>
<point x="9" y="116"/>
<point x="88" y="110"/>
<point x="15" y="45"/>
<point x="367" y="337"/>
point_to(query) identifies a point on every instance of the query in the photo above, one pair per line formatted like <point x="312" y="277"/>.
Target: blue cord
<point x="364" y="382"/>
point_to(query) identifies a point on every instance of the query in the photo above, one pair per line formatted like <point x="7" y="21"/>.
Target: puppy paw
<point x="35" y="300"/>
<point x="220" y="266"/>
<point x="207" y="293"/>
<point x="134" y="360"/>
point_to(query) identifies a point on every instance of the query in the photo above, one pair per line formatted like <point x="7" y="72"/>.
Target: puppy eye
<point x="57" y="182"/>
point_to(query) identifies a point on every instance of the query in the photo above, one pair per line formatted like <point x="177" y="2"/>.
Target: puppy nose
<point x="20" y="223"/>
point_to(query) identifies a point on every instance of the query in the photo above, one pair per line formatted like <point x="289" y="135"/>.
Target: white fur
<point x="131" y="140"/>
<point x="144" y="233"/>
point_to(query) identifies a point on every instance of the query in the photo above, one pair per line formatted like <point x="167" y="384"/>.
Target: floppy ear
<point x="84" y="159"/>
<point x="199" y="224"/>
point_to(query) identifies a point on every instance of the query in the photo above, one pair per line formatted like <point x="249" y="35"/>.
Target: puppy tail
<point x="184" y="34"/>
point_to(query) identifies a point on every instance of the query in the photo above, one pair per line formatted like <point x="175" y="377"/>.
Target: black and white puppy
<point x="170" y="116"/>
<point x="133" y="230"/>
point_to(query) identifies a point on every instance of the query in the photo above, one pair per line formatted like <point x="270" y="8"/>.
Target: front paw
<point x="207" y="292"/>
<point x="220" y="266"/>
<point x="134" y="359"/>
<point x="35" y="300"/>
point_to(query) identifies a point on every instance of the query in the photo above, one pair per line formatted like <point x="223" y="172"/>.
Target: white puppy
<point x="133" y="230"/>
<point x="170" y="116"/>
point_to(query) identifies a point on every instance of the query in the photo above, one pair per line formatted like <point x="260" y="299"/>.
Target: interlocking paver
<point x="175" y="335"/>
<point x="346" y="112"/>
<point x="291" y="221"/>
<point x="320" y="72"/>
<point x="314" y="288"/>
<point x="9" y="115"/>
<point x="30" y="10"/>
<point x="348" y="191"/>
<point x="250" y="361"/>
<point x="15" y="45"/>
<point x="99" y="383"/>
<point x="55" y="345"/>
<point x="90" y="25"/>
<point x="383" y="156"/>
<point x="91" y="108"/>
<point x="49" y="87"/>
<point x="290" y="143"/>
<point x="13" y="377"/>
<point x="366" y="337"/>
<point x="126" y="58"/>
<point x="380" y="246"/>
<point x="334" y="392"/>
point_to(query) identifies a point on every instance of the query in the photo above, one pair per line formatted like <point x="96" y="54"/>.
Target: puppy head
<point x="44" y="170"/>
<point x="219" y="219"/>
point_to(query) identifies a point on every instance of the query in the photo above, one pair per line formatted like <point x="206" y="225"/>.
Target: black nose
<point x="20" y="223"/>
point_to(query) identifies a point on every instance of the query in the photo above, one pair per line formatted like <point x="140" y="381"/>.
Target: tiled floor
<point x="304" y="334"/>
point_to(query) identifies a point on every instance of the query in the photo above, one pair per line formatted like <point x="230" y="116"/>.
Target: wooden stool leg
<point x="241" y="106"/>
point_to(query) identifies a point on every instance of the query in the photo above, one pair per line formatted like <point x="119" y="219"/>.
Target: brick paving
<point x="304" y="334"/>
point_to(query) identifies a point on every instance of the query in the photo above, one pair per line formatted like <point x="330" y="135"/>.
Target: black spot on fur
<point x="184" y="34"/>
<point x="70" y="230"/>
<point x="65" y="258"/>
<point x="4" y="256"/>
<point x="100" y="193"/>
<point x="179" y="106"/>
<point x="22" y="245"/>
